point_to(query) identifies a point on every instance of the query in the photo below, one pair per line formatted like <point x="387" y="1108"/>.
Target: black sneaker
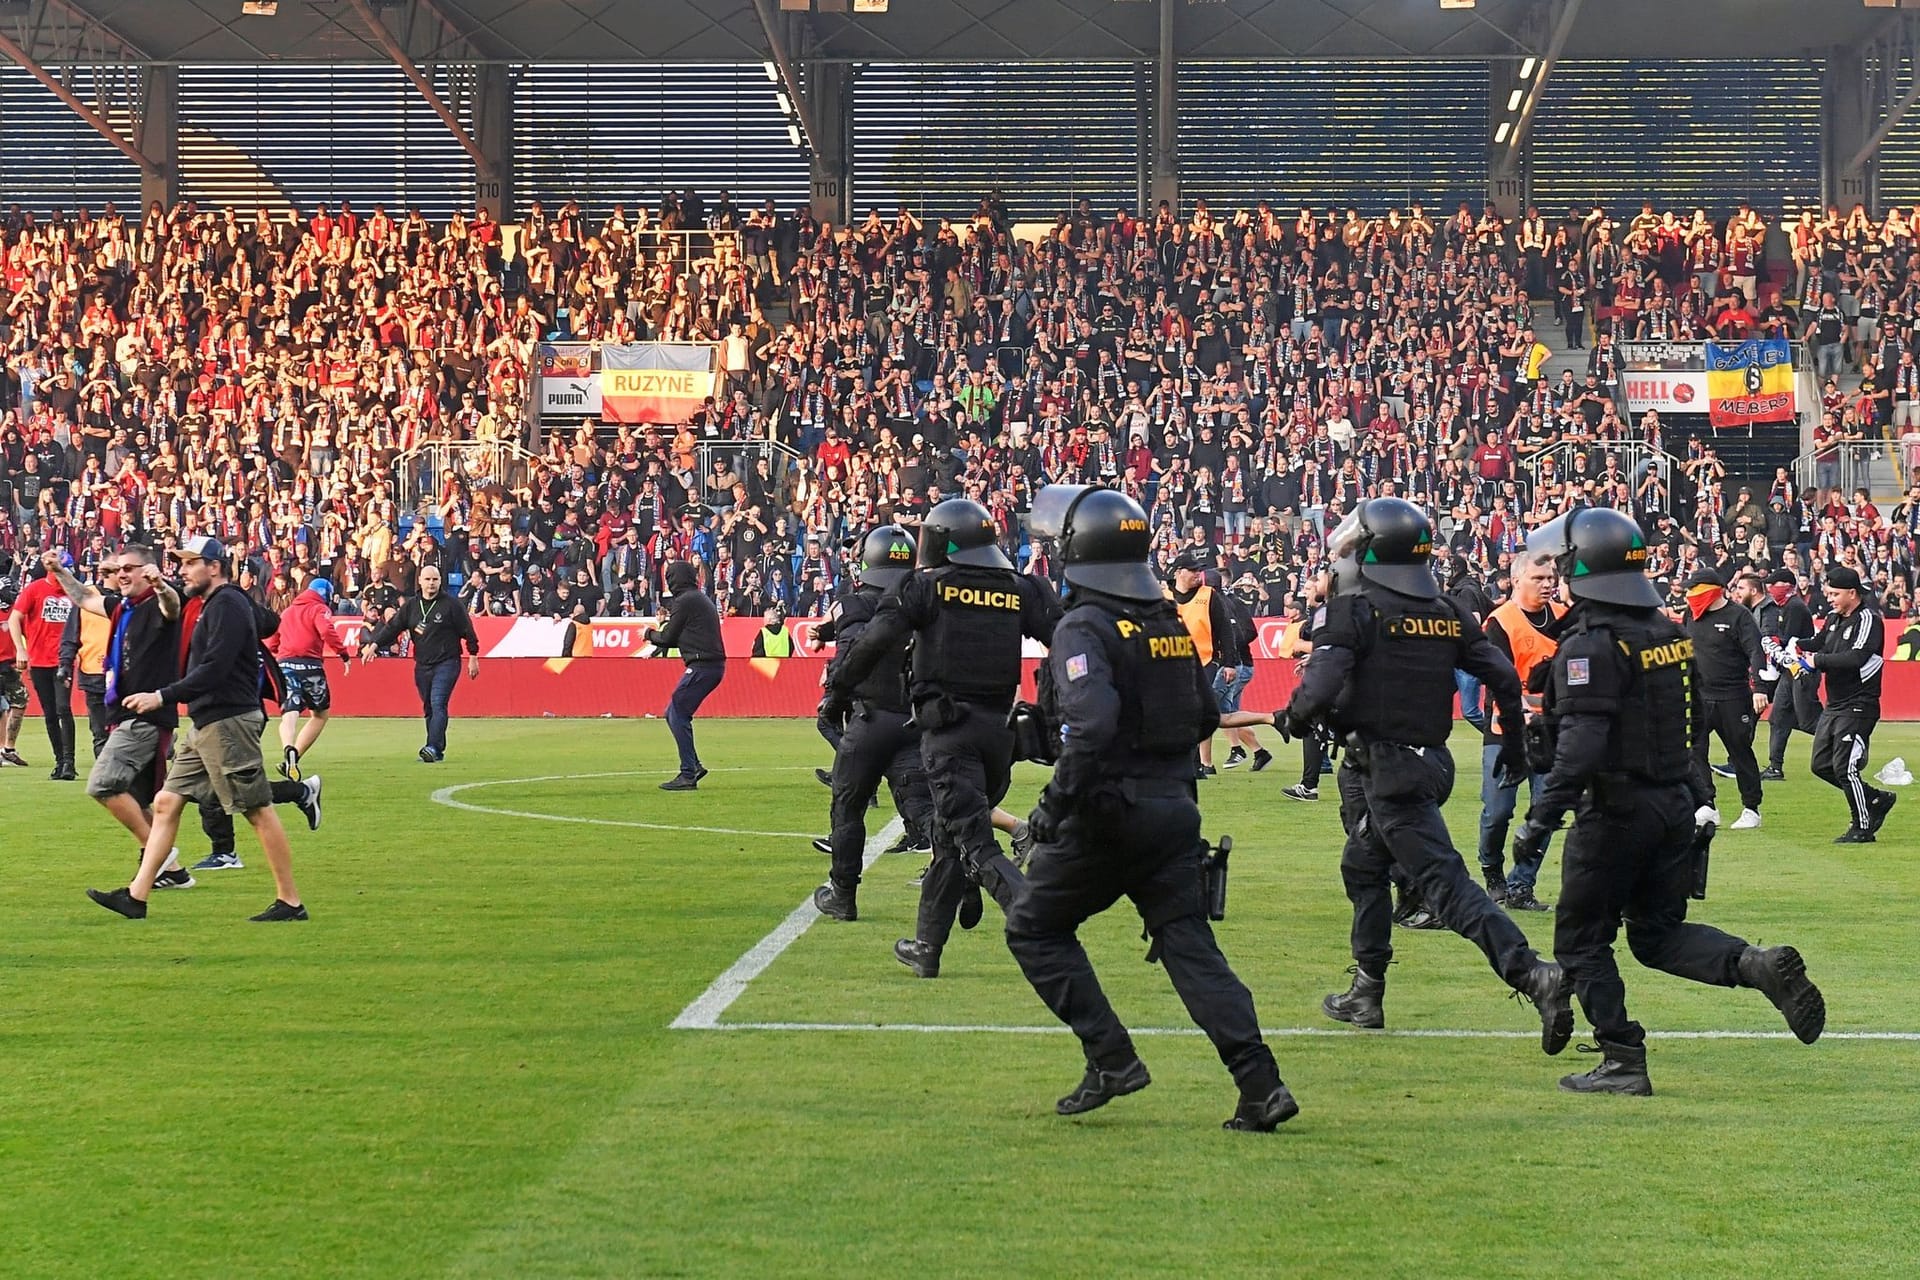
<point x="12" y="756"/>
<point x="427" y="756"/>
<point x="1854" y="835"/>
<point x="309" y="803"/>
<point x="680" y="782"/>
<point x="1781" y="975"/>
<point x="833" y="901"/>
<point x="921" y="874"/>
<point x="1552" y="994"/>
<point x="1097" y="1088"/>
<point x="120" y="900"/>
<point x="971" y="908"/>
<point x="290" y="764"/>
<point x="700" y="771"/>
<point x="177" y="878"/>
<point x="1420" y="918"/>
<point x="911" y="842"/>
<point x="1523" y="900"/>
<point x="918" y="956"/>
<point x="1772" y="774"/>
<point x="821" y="844"/>
<point x="1497" y="886"/>
<point x="280" y="911"/>
<point x="1261" y="759"/>
<point x="1263" y="1115"/>
<point x="1299" y="791"/>
<point x="824" y="776"/>
<point x="1879" y="805"/>
<point x="1235" y="758"/>
<point x="1204" y="772"/>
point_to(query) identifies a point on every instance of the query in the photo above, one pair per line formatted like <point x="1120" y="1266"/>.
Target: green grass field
<point x="463" y="1065"/>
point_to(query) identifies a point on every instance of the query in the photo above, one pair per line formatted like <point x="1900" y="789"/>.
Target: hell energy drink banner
<point x="655" y="382"/>
<point x="1749" y="383"/>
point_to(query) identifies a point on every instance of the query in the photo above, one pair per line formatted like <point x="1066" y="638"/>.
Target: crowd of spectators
<point x="1248" y="376"/>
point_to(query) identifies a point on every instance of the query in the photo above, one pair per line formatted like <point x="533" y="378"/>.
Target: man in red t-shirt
<point x="37" y="621"/>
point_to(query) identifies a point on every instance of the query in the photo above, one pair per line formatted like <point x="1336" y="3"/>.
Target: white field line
<point x="704" y="1013"/>
<point x="446" y="796"/>
<point x="1422" y="1033"/>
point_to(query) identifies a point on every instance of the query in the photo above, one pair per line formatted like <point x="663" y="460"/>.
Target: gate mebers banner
<point x="1749" y="382"/>
<point x="659" y="382"/>
<point x="569" y="384"/>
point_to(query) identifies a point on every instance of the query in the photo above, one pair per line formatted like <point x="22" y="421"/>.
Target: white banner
<point x="570" y="396"/>
<point x="1664" y="392"/>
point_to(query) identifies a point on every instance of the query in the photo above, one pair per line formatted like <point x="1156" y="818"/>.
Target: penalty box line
<point x="1412" y="1033"/>
<point x="704" y="1013"/>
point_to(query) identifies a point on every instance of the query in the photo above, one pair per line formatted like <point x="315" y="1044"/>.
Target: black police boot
<point x="918" y="956"/>
<point x="1547" y="987"/>
<point x="1360" y="1004"/>
<point x="1523" y="900"/>
<point x="1097" y="1088"/>
<point x="836" y="900"/>
<point x="824" y="777"/>
<point x="1623" y="1070"/>
<point x="1496" y="878"/>
<point x="1263" y="1114"/>
<point x="1781" y="975"/>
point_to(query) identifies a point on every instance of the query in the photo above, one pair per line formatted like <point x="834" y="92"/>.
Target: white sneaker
<point x="173" y="860"/>
<point x="1747" y="821"/>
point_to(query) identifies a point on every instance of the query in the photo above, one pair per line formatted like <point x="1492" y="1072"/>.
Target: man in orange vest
<point x="1518" y="629"/>
<point x="1205" y="616"/>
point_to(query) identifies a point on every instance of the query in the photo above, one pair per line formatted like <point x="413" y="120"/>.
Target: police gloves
<point x="1047" y="816"/>
<point x="1291" y="726"/>
<point x="834" y="708"/>
<point x="1510" y="766"/>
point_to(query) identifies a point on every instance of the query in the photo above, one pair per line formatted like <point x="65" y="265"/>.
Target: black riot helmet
<point x="959" y="531"/>
<point x="1601" y="555"/>
<point x="1105" y="541"/>
<point x="886" y="557"/>
<point x="1393" y="542"/>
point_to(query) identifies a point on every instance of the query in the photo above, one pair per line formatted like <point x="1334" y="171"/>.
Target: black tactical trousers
<point x="1796" y="705"/>
<point x="1144" y="844"/>
<point x="876" y="744"/>
<point x="1399" y="795"/>
<point x="1629" y="856"/>
<point x="969" y="764"/>
<point x="1732" y="720"/>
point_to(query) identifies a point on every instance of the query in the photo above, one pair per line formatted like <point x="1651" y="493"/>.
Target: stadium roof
<point x="55" y="32"/>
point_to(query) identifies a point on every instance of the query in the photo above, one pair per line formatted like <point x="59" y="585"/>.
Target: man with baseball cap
<point x="1786" y="625"/>
<point x="219" y="758"/>
<point x="1851" y="656"/>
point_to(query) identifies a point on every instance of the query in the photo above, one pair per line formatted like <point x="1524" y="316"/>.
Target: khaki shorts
<point x="223" y="762"/>
<point x="131" y="756"/>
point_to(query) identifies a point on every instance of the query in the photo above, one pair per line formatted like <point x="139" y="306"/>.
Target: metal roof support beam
<point x="830" y="158"/>
<point x="1165" y="183"/>
<point x="77" y="104"/>
<point x="783" y="63"/>
<point x="1897" y="50"/>
<point x="411" y="70"/>
<point x="1563" y="21"/>
<point x="156" y="131"/>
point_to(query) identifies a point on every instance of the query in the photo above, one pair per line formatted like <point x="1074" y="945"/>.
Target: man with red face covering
<point x="1785" y="620"/>
<point x="1729" y="657"/>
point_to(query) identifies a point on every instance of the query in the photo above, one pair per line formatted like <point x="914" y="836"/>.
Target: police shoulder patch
<point x="1077" y="667"/>
<point x="1320" y="617"/>
<point x="1579" y="671"/>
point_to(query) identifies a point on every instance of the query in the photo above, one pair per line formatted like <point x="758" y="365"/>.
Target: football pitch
<point x="550" y="1021"/>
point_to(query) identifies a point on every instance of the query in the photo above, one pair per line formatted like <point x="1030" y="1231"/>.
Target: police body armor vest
<point x="886" y="685"/>
<point x="1154" y="661"/>
<point x="1402" y="687"/>
<point x="1649" y="739"/>
<point x="972" y="648"/>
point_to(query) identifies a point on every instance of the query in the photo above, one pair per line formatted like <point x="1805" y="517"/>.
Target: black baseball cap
<point x="1844" y="578"/>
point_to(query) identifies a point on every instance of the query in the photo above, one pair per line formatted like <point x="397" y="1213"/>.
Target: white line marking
<point x="445" y="796"/>
<point x="1424" y="1033"/>
<point x="704" y="1013"/>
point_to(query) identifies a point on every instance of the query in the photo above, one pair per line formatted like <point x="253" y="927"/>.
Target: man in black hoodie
<point x="692" y="627"/>
<point x="220" y="757"/>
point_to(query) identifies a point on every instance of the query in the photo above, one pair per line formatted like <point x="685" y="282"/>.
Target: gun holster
<point x="1702" y="854"/>
<point x="1213" y="889"/>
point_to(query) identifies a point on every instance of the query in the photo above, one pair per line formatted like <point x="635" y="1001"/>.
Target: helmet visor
<point x="1051" y="506"/>
<point x="1347" y="537"/>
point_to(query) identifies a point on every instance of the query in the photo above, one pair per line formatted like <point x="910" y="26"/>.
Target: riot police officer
<point x="1625" y="706"/>
<point x="1132" y="703"/>
<point x="878" y="739"/>
<point x="967" y="610"/>
<point x="1384" y="654"/>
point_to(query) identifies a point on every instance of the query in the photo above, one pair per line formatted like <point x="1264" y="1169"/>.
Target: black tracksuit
<point x="1851" y="656"/>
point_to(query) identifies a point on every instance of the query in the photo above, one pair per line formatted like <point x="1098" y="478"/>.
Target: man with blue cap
<point x="306" y="636"/>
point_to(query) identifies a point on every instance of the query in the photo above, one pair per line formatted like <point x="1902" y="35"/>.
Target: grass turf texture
<point x="462" y="1066"/>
